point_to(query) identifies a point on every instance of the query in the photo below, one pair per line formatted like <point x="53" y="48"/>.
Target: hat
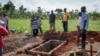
<point x="2" y="23"/>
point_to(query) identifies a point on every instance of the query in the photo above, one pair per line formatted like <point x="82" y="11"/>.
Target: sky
<point x="48" y="5"/>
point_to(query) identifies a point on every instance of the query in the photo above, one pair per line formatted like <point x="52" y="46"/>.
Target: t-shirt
<point x="65" y="16"/>
<point x="34" y="24"/>
<point x="3" y="32"/>
<point x="5" y="19"/>
<point x="84" y="17"/>
<point x="52" y="18"/>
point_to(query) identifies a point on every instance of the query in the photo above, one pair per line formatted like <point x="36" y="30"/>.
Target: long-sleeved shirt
<point x="84" y="17"/>
<point x="3" y="32"/>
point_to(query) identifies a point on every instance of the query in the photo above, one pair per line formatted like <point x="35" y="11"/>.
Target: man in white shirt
<point x="83" y="25"/>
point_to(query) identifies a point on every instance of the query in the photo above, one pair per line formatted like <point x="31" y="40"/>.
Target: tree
<point x="39" y="11"/>
<point x="76" y="13"/>
<point x="0" y="5"/>
<point x="59" y="12"/>
<point x="1" y="10"/>
<point x="72" y="14"/>
<point x="47" y="13"/>
<point x="9" y="7"/>
<point x="22" y="9"/>
<point x="95" y="15"/>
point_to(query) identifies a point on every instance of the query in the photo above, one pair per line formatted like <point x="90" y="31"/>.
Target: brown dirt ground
<point x="15" y="41"/>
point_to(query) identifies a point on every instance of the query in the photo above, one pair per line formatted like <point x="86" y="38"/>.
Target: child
<point x="3" y="32"/>
<point x="34" y="25"/>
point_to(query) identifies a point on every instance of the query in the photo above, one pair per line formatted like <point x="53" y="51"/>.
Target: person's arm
<point x="85" y="21"/>
<point x="5" y="31"/>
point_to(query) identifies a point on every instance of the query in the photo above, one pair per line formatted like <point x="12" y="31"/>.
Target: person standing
<point x="52" y="18"/>
<point x="39" y="24"/>
<point x="34" y="25"/>
<point x="3" y="32"/>
<point x="83" y="25"/>
<point x="65" y="20"/>
<point x="5" y="19"/>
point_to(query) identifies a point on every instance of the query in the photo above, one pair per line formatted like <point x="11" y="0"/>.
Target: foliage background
<point x="19" y="19"/>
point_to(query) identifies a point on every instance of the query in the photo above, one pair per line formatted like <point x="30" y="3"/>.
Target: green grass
<point x="24" y="24"/>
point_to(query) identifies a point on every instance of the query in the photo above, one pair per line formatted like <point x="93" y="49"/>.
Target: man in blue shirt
<point x="83" y="25"/>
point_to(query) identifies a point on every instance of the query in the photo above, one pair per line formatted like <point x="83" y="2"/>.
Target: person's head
<point x="83" y="9"/>
<point x="2" y="23"/>
<point x="65" y="9"/>
<point x="51" y="11"/>
<point x="80" y="14"/>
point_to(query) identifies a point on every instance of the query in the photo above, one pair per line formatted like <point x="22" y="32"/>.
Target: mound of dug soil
<point x="71" y="36"/>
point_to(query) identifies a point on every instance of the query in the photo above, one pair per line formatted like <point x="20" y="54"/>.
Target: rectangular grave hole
<point x="48" y="46"/>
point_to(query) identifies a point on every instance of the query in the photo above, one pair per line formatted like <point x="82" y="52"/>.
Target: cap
<point x="2" y="23"/>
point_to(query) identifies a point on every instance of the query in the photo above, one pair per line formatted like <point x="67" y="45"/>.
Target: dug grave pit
<point x="47" y="48"/>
